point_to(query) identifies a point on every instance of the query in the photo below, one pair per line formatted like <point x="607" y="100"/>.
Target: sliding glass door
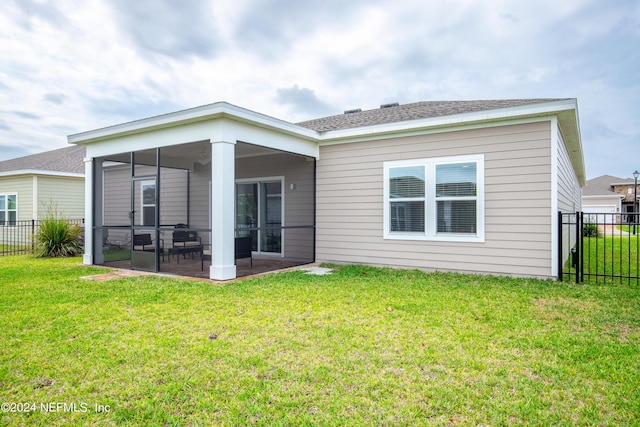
<point x="259" y="207"/>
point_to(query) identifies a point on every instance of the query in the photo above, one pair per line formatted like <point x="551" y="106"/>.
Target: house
<point x="609" y="194"/>
<point x="468" y="186"/>
<point x="29" y="185"/>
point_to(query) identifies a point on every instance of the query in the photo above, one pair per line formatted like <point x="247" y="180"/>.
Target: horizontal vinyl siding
<point x="199" y="202"/>
<point x="23" y="187"/>
<point x="517" y="202"/>
<point x="117" y="196"/>
<point x="569" y="191"/>
<point x="65" y="194"/>
<point x="569" y="194"/>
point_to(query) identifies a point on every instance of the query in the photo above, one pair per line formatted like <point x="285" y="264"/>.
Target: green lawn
<point x="608" y="256"/>
<point x="362" y="346"/>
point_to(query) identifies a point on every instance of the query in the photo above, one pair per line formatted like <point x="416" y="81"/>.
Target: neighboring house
<point x="469" y="186"/>
<point x="610" y="194"/>
<point x="29" y="185"/>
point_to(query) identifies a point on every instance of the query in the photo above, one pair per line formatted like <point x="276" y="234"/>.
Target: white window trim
<point x="430" y="232"/>
<point x="142" y="204"/>
<point x="7" y="210"/>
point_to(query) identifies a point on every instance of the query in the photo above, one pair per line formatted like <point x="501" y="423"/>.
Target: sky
<point x="69" y="66"/>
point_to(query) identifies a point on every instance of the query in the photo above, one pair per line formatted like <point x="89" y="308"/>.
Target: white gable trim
<point x="42" y="172"/>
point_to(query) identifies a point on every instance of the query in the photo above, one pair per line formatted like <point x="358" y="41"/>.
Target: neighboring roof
<point x="417" y="110"/>
<point x="601" y="186"/>
<point x="63" y="160"/>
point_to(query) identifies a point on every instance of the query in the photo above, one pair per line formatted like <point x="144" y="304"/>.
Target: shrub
<point x="590" y="230"/>
<point x="56" y="237"/>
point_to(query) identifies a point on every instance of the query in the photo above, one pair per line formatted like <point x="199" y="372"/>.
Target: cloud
<point x="120" y="104"/>
<point x="303" y="101"/>
<point x="29" y="12"/>
<point x="26" y="115"/>
<point x="167" y="28"/>
<point x="268" y="28"/>
<point x="55" y="98"/>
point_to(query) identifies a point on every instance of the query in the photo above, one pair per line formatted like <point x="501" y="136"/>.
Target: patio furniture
<point x="242" y="250"/>
<point x="143" y="242"/>
<point x="185" y="241"/>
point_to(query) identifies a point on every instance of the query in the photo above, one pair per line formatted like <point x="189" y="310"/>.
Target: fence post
<point x="33" y="232"/>
<point x="578" y="248"/>
<point x="560" y="255"/>
<point x="581" y="240"/>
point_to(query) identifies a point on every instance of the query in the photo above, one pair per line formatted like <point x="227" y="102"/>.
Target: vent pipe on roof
<point x="392" y="104"/>
<point x="355" y="110"/>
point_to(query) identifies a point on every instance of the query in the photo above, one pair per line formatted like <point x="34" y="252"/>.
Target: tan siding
<point x="569" y="194"/>
<point x="199" y="202"/>
<point x="517" y="201"/>
<point x="117" y="196"/>
<point x="298" y="202"/>
<point x="66" y="194"/>
<point x="23" y="187"/>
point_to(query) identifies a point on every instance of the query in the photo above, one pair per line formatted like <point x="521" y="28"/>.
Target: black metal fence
<point x="599" y="248"/>
<point x="17" y="237"/>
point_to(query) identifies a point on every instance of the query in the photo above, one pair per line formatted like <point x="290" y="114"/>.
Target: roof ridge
<point x="413" y="111"/>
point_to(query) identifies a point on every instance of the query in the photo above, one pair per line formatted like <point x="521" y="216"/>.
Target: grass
<point x="628" y="228"/>
<point x="611" y="256"/>
<point x="363" y="346"/>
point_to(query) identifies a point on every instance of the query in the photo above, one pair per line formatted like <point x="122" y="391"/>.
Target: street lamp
<point x="635" y="200"/>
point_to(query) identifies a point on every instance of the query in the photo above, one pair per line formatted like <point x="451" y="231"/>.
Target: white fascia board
<point x="623" y="183"/>
<point x="190" y="116"/>
<point x="222" y="129"/>
<point x="548" y="108"/>
<point x="42" y="172"/>
<point x="607" y="196"/>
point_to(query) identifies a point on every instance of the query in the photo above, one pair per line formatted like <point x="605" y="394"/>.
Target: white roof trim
<point x="624" y="183"/>
<point x="224" y="109"/>
<point x="545" y="108"/>
<point x="192" y="115"/>
<point x="42" y="172"/>
<point x="605" y="196"/>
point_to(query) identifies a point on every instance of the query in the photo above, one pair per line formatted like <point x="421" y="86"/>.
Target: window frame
<point x="430" y="233"/>
<point x="143" y="205"/>
<point x="7" y="222"/>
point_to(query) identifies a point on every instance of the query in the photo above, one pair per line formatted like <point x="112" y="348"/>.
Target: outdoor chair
<point x="185" y="241"/>
<point x="143" y="242"/>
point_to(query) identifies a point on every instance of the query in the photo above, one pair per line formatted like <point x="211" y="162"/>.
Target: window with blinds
<point x="407" y="194"/>
<point x="456" y="195"/>
<point x="435" y="199"/>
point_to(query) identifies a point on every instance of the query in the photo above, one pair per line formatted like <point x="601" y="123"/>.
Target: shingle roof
<point x="68" y="159"/>
<point x="601" y="186"/>
<point x="414" y="111"/>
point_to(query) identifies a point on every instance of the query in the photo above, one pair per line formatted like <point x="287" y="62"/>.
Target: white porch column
<point x="88" y="212"/>
<point x="222" y="210"/>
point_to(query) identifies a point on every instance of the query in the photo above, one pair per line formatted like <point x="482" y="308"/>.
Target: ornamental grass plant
<point x="57" y="237"/>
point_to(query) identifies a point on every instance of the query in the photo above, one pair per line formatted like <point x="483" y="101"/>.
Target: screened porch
<point x="155" y="209"/>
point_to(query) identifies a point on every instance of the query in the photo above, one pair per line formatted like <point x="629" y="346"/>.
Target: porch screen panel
<point x="271" y="216"/>
<point x="247" y="212"/>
